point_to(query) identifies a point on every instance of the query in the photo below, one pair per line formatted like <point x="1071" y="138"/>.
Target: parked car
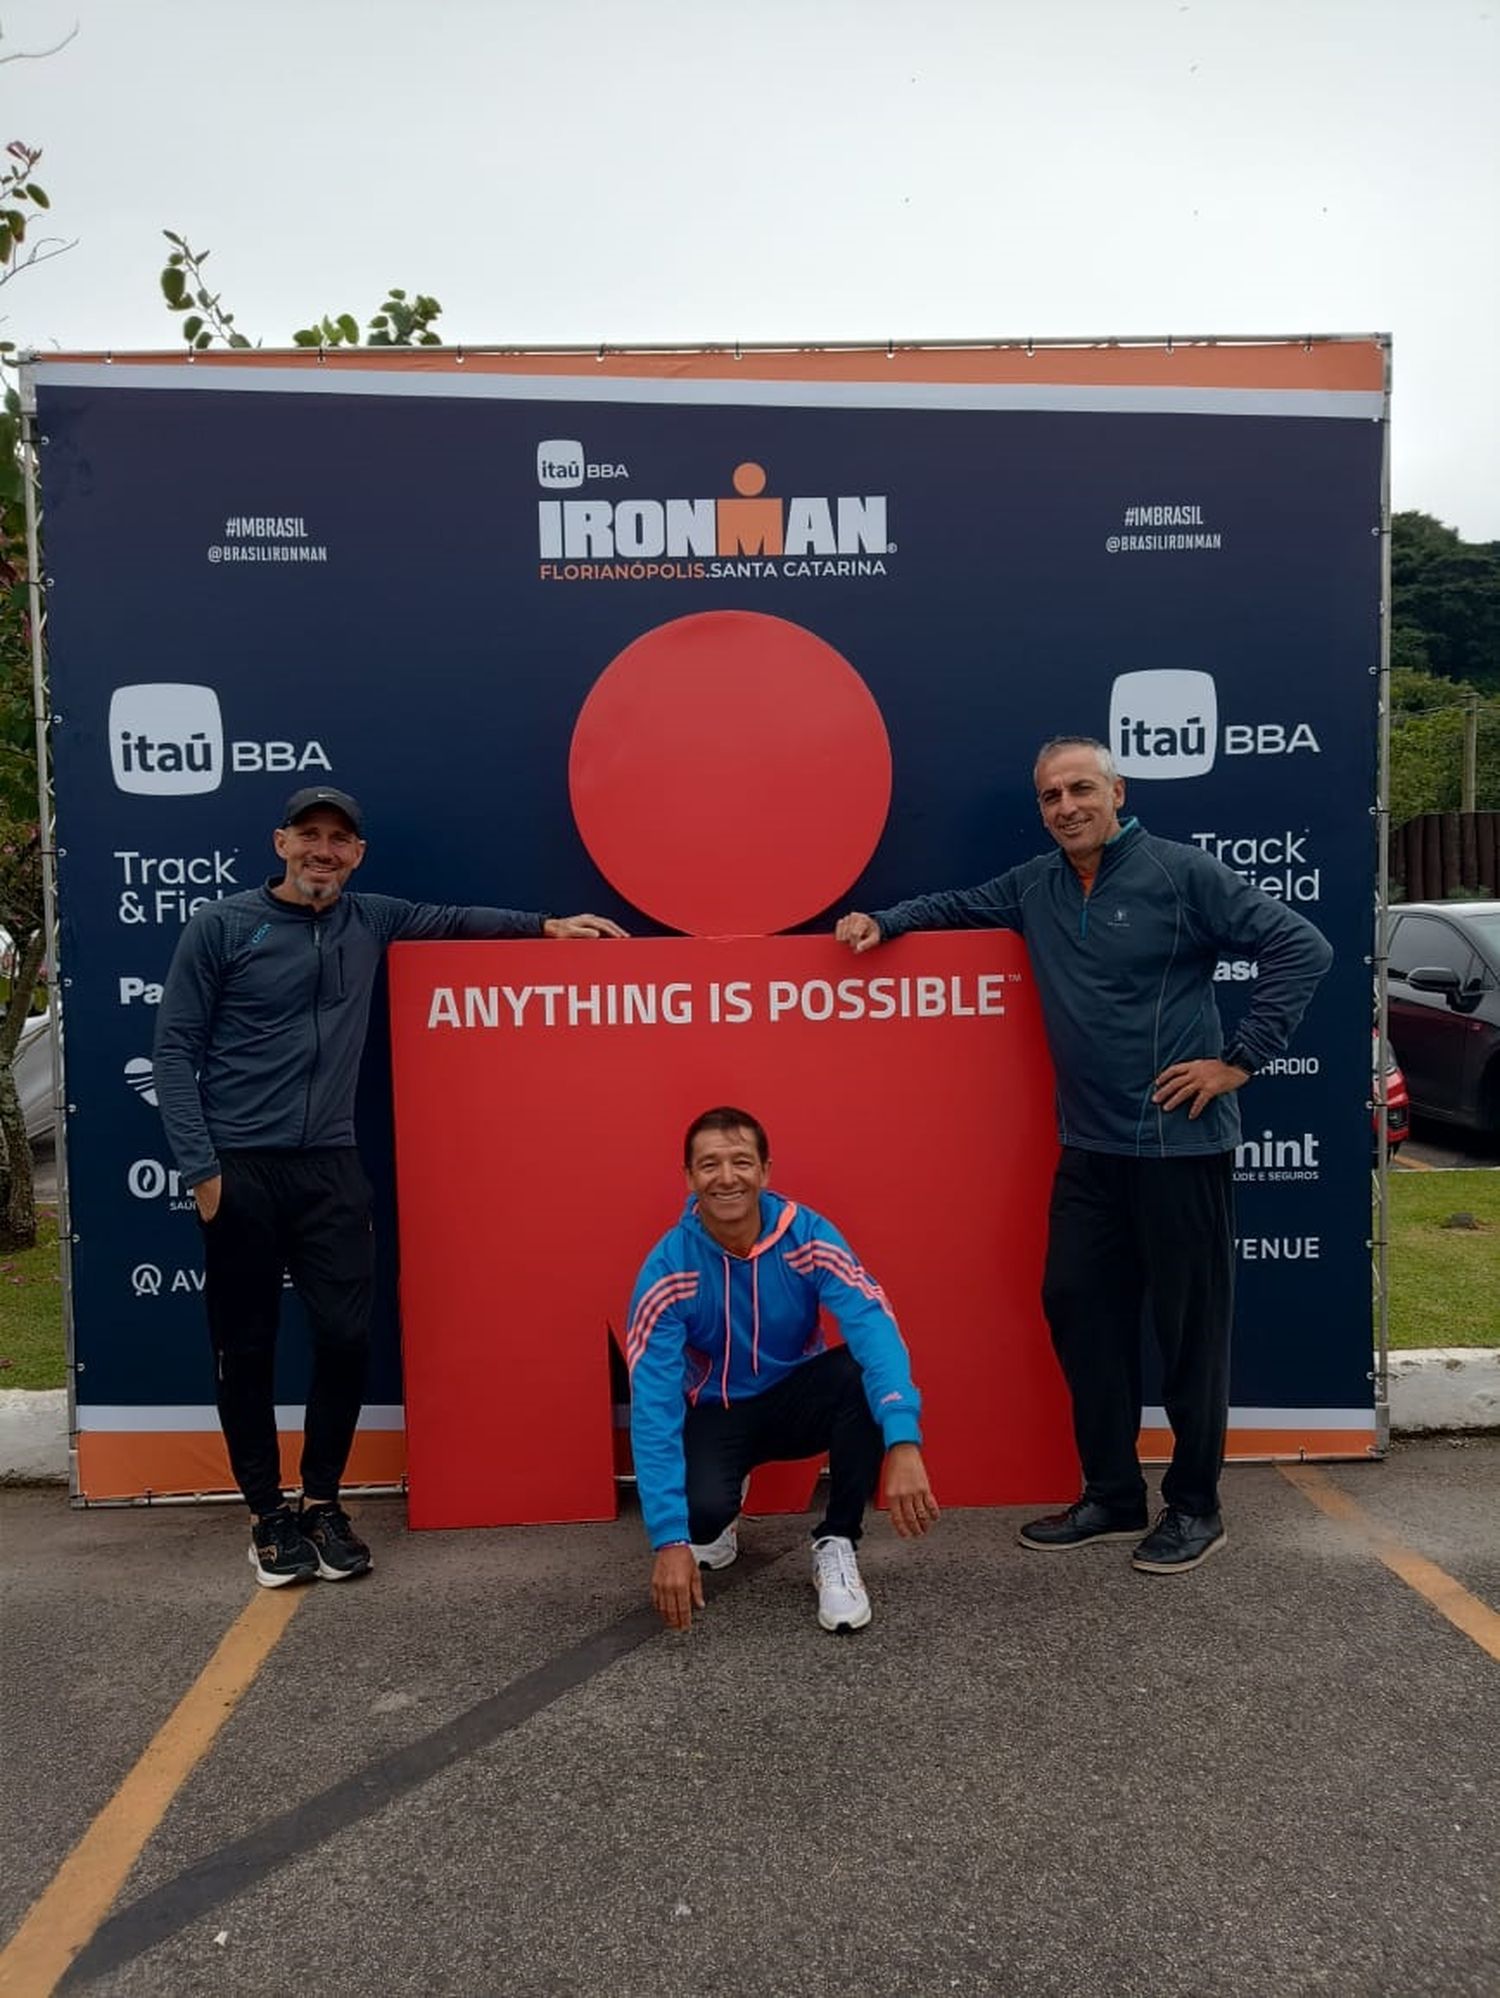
<point x="1397" y="1104"/>
<point x="32" y="1069"/>
<point x="1444" y="1013"/>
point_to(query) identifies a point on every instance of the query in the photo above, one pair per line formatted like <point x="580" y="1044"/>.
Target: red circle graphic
<point x="730" y="773"/>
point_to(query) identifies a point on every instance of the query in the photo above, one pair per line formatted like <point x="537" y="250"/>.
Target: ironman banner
<point x="719" y="644"/>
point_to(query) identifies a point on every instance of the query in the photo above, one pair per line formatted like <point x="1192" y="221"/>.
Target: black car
<point x="1444" y="976"/>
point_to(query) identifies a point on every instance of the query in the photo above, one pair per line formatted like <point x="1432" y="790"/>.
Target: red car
<point x="1397" y="1104"/>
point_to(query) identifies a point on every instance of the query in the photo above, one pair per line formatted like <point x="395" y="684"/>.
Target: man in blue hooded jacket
<point x="1124" y="931"/>
<point x="258" y="1043"/>
<point x="729" y="1369"/>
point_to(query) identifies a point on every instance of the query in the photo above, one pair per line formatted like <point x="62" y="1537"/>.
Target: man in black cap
<point x="258" y="1043"/>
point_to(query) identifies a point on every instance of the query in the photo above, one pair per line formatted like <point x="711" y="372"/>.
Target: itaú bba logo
<point x="166" y="740"/>
<point x="1165" y="723"/>
<point x="748" y="521"/>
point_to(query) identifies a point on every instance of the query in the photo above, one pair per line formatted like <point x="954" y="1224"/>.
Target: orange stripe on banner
<point x="1259" y="1444"/>
<point x="184" y="1463"/>
<point x="1432" y="1583"/>
<point x="1321" y="364"/>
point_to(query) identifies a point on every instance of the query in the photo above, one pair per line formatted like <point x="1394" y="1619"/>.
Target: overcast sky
<point x="684" y="170"/>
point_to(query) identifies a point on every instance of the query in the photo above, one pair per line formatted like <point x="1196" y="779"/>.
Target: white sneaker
<point x="721" y="1552"/>
<point x="842" y="1602"/>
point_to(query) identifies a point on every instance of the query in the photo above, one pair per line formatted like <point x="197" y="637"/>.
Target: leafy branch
<point x="185" y="290"/>
<point x="22" y="199"/>
<point x="400" y="321"/>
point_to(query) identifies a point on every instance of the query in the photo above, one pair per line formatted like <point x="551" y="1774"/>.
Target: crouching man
<point x="729" y="1369"/>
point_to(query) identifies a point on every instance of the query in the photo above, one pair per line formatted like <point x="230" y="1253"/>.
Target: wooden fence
<point x="1440" y="853"/>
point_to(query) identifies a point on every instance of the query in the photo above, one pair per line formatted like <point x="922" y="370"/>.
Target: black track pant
<point x="1133" y="1236"/>
<point x="819" y="1406"/>
<point x="307" y="1215"/>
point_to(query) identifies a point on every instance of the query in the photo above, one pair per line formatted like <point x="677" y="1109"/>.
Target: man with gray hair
<point x="1124" y="931"/>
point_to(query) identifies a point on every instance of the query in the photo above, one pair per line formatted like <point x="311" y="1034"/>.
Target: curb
<point x="1440" y="1388"/>
<point x="1445" y="1387"/>
<point x="33" y="1436"/>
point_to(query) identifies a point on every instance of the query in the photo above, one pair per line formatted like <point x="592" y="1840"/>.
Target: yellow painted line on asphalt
<point x="1434" y="1584"/>
<point x="1412" y="1165"/>
<point x="66" y="1914"/>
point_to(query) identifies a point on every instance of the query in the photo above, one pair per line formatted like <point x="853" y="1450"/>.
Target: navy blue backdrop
<point x="357" y="580"/>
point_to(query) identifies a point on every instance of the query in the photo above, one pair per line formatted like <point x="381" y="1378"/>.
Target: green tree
<point x="22" y="939"/>
<point x="1445" y="601"/>
<point x="1428" y="719"/>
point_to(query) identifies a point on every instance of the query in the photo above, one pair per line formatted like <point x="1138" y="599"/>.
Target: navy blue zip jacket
<point x="263" y="1016"/>
<point x="1126" y="973"/>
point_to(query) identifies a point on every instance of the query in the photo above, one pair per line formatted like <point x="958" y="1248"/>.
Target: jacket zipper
<point x="317" y="938"/>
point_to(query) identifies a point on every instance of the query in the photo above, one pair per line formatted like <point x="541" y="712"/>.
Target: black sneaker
<point x="1083" y="1522"/>
<point x="280" y="1552"/>
<point x="337" y="1548"/>
<point x="1179" y="1541"/>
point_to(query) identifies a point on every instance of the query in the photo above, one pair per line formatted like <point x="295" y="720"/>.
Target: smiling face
<point x="321" y="850"/>
<point x="727" y="1175"/>
<point x="1080" y="805"/>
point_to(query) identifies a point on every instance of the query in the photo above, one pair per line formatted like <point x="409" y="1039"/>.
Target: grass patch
<point x="1445" y="1282"/>
<point x="32" y="1351"/>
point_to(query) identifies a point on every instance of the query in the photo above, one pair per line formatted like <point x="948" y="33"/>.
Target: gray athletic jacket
<point x="263" y="1015"/>
<point x="1126" y="979"/>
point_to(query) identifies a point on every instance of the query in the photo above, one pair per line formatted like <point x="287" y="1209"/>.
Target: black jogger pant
<point x="1132" y="1242"/>
<point x="819" y="1406"/>
<point x="306" y="1215"/>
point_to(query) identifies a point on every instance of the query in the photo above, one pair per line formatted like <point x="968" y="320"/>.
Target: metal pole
<point x="1381" y="1241"/>
<point x="1471" y="747"/>
<point x="31" y="472"/>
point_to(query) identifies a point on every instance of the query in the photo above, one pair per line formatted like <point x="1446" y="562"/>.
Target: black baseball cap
<point x="324" y="794"/>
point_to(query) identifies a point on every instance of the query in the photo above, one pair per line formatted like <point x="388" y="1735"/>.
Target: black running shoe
<point x="339" y="1551"/>
<point x="280" y="1552"/>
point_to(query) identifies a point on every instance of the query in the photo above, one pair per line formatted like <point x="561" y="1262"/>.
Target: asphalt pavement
<point x="487" y="1770"/>
<point x="1445" y="1148"/>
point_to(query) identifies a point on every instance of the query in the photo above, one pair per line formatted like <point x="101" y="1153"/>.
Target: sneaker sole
<point x="1181" y="1567"/>
<point x="721" y="1560"/>
<point x="269" y="1581"/>
<point x="1088" y="1540"/>
<point x="327" y="1574"/>
<point x="845" y="1626"/>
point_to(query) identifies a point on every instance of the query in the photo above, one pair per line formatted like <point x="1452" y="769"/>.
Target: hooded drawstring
<point x="724" y="1379"/>
<point x="729" y="1328"/>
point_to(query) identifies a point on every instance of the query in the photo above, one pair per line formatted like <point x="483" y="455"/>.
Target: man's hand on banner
<point x="581" y="926"/>
<point x="860" y="932"/>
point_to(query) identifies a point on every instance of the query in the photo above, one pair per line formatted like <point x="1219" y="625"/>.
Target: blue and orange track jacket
<point x="707" y="1324"/>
